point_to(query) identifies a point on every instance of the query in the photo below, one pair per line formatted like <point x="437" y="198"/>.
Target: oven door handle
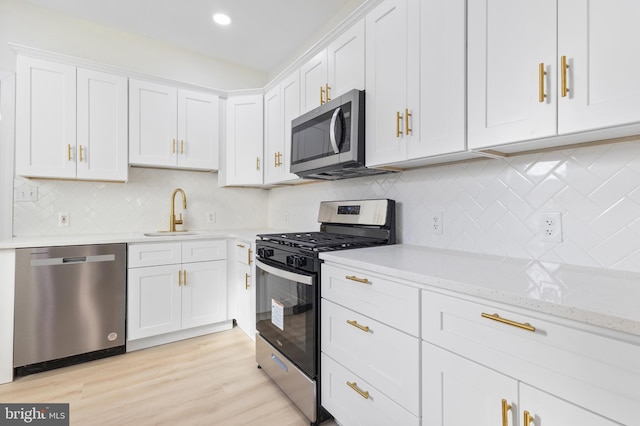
<point x="304" y="279"/>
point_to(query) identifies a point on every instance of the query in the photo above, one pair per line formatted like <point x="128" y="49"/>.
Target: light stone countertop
<point x="68" y="240"/>
<point x="599" y="297"/>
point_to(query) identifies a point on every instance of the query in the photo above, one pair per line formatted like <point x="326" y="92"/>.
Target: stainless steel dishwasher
<point x="70" y="305"/>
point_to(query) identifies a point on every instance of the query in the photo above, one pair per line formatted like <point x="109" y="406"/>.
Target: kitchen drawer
<point x="558" y="355"/>
<point x="377" y="297"/>
<point x="350" y="408"/>
<point x="243" y="252"/>
<point x="389" y="359"/>
<point x="154" y="254"/>
<point x="202" y="251"/>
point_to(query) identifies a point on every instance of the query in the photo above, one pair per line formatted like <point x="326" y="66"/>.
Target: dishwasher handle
<point x="73" y="260"/>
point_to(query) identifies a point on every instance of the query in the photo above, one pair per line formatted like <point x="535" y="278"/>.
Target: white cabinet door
<point x="387" y="55"/>
<point x="152" y="124"/>
<point x="45" y="119"/>
<point x="313" y="82"/>
<point x="273" y="136"/>
<point x="545" y="409"/>
<point x="458" y="392"/>
<point x="507" y="42"/>
<point x="198" y="128"/>
<point x="599" y="39"/>
<point x="154" y="301"/>
<point x="440" y="128"/>
<point x="204" y="293"/>
<point x="345" y="61"/>
<point x="102" y="130"/>
<point x="243" y="288"/>
<point x="282" y="105"/>
<point x="244" y="142"/>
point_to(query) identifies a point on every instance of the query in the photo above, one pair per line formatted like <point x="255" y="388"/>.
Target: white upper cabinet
<point x="102" y="131"/>
<point x="281" y="105"/>
<point x="244" y="134"/>
<point x="334" y="70"/>
<point x="171" y="127"/>
<point x="507" y="43"/>
<point x="518" y="88"/>
<point x="415" y="82"/>
<point x="599" y="40"/>
<point x="70" y="123"/>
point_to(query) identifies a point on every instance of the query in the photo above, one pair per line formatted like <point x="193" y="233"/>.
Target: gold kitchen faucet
<point x="173" y="221"/>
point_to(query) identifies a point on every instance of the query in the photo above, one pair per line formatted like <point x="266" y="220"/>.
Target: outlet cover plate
<point x="551" y="227"/>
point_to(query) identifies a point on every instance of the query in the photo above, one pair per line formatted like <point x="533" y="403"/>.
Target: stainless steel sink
<point x="168" y="234"/>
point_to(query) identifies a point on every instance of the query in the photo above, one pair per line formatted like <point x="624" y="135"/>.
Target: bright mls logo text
<point x="40" y="414"/>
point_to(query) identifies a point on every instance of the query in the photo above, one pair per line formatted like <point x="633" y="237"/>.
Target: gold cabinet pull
<point x="68" y="152"/>
<point x="407" y="114"/>
<point x="505" y="412"/>
<point x="354" y="386"/>
<point x="249" y="253"/>
<point x="80" y="153"/>
<point x="541" y="77"/>
<point x="179" y="278"/>
<point x="279" y="159"/>
<point x="275" y="159"/>
<point x="240" y="245"/>
<point x="528" y="418"/>
<point x="184" y="278"/>
<point x="173" y="146"/>
<point x="321" y="95"/>
<point x="398" y="119"/>
<point x="496" y="317"/>
<point x="564" y="66"/>
<point x="246" y="281"/>
<point x="257" y="163"/>
<point x="360" y="280"/>
<point x="354" y="323"/>
<point x="326" y="91"/>
<point x="181" y="146"/>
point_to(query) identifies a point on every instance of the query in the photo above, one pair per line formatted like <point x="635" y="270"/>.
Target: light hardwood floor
<point x="209" y="380"/>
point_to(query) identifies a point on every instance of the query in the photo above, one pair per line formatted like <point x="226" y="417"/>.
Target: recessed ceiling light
<point x="221" y="19"/>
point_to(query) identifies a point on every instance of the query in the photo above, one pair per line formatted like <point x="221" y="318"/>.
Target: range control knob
<point x="296" y="261"/>
<point x="265" y="252"/>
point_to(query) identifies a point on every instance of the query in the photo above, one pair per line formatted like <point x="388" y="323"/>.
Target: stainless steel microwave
<point x="328" y="142"/>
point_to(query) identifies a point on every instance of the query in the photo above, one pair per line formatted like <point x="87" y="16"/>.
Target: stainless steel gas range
<point x="288" y="293"/>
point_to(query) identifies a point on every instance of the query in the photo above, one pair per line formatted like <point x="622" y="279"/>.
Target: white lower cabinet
<point x="242" y="287"/>
<point x="175" y="286"/>
<point x="397" y="352"/>
<point x="370" y="355"/>
<point x="457" y="391"/>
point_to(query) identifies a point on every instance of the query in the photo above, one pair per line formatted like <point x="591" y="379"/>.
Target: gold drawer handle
<point x="68" y="152"/>
<point x="528" y="418"/>
<point x="354" y="323"/>
<point x="354" y="386"/>
<point x="179" y="278"/>
<point x="563" y="68"/>
<point x="505" y="412"/>
<point x="407" y="114"/>
<point x="398" y="119"/>
<point x="360" y="280"/>
<point x="246" y="281"/>
<point x="249" y="253"/>
<point x="496" y="317"/>
<point x="240" y="245"/>
<point x="541" y="74"/>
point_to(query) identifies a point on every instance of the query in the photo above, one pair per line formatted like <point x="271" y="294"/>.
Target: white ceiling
<point x="263" y="33"/>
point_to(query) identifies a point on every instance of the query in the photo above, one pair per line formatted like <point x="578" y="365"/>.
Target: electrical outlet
<point x="211" y="217"/>
<point x="551" y="227"/>
<point x="436" y="222"/>
<point x="26" y="193"/>
<point x="63" y="219"/>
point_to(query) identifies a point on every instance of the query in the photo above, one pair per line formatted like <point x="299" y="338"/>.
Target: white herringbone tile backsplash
<point x="488" y="206"/>
<point x="494" y="206"/>
<point x="140" y="205"/>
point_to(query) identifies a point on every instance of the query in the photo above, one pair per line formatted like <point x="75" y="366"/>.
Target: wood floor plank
<point x="208" y="380"/>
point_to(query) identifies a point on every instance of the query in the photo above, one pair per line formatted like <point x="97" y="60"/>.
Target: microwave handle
<point x="332" y="130"/>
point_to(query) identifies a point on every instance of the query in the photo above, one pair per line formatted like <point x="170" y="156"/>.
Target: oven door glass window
<point x="286" y="313"/>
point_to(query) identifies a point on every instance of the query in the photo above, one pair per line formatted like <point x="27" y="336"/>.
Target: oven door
<point x="286" y="313"/>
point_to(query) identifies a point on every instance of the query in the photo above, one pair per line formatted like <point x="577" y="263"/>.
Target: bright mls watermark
<point x="34" y="414"/>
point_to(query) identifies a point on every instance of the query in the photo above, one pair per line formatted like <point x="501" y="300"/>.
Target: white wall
<point x="24" y="24"/>
<point x="7" y="120"/>
<point x="494" y="206"/>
